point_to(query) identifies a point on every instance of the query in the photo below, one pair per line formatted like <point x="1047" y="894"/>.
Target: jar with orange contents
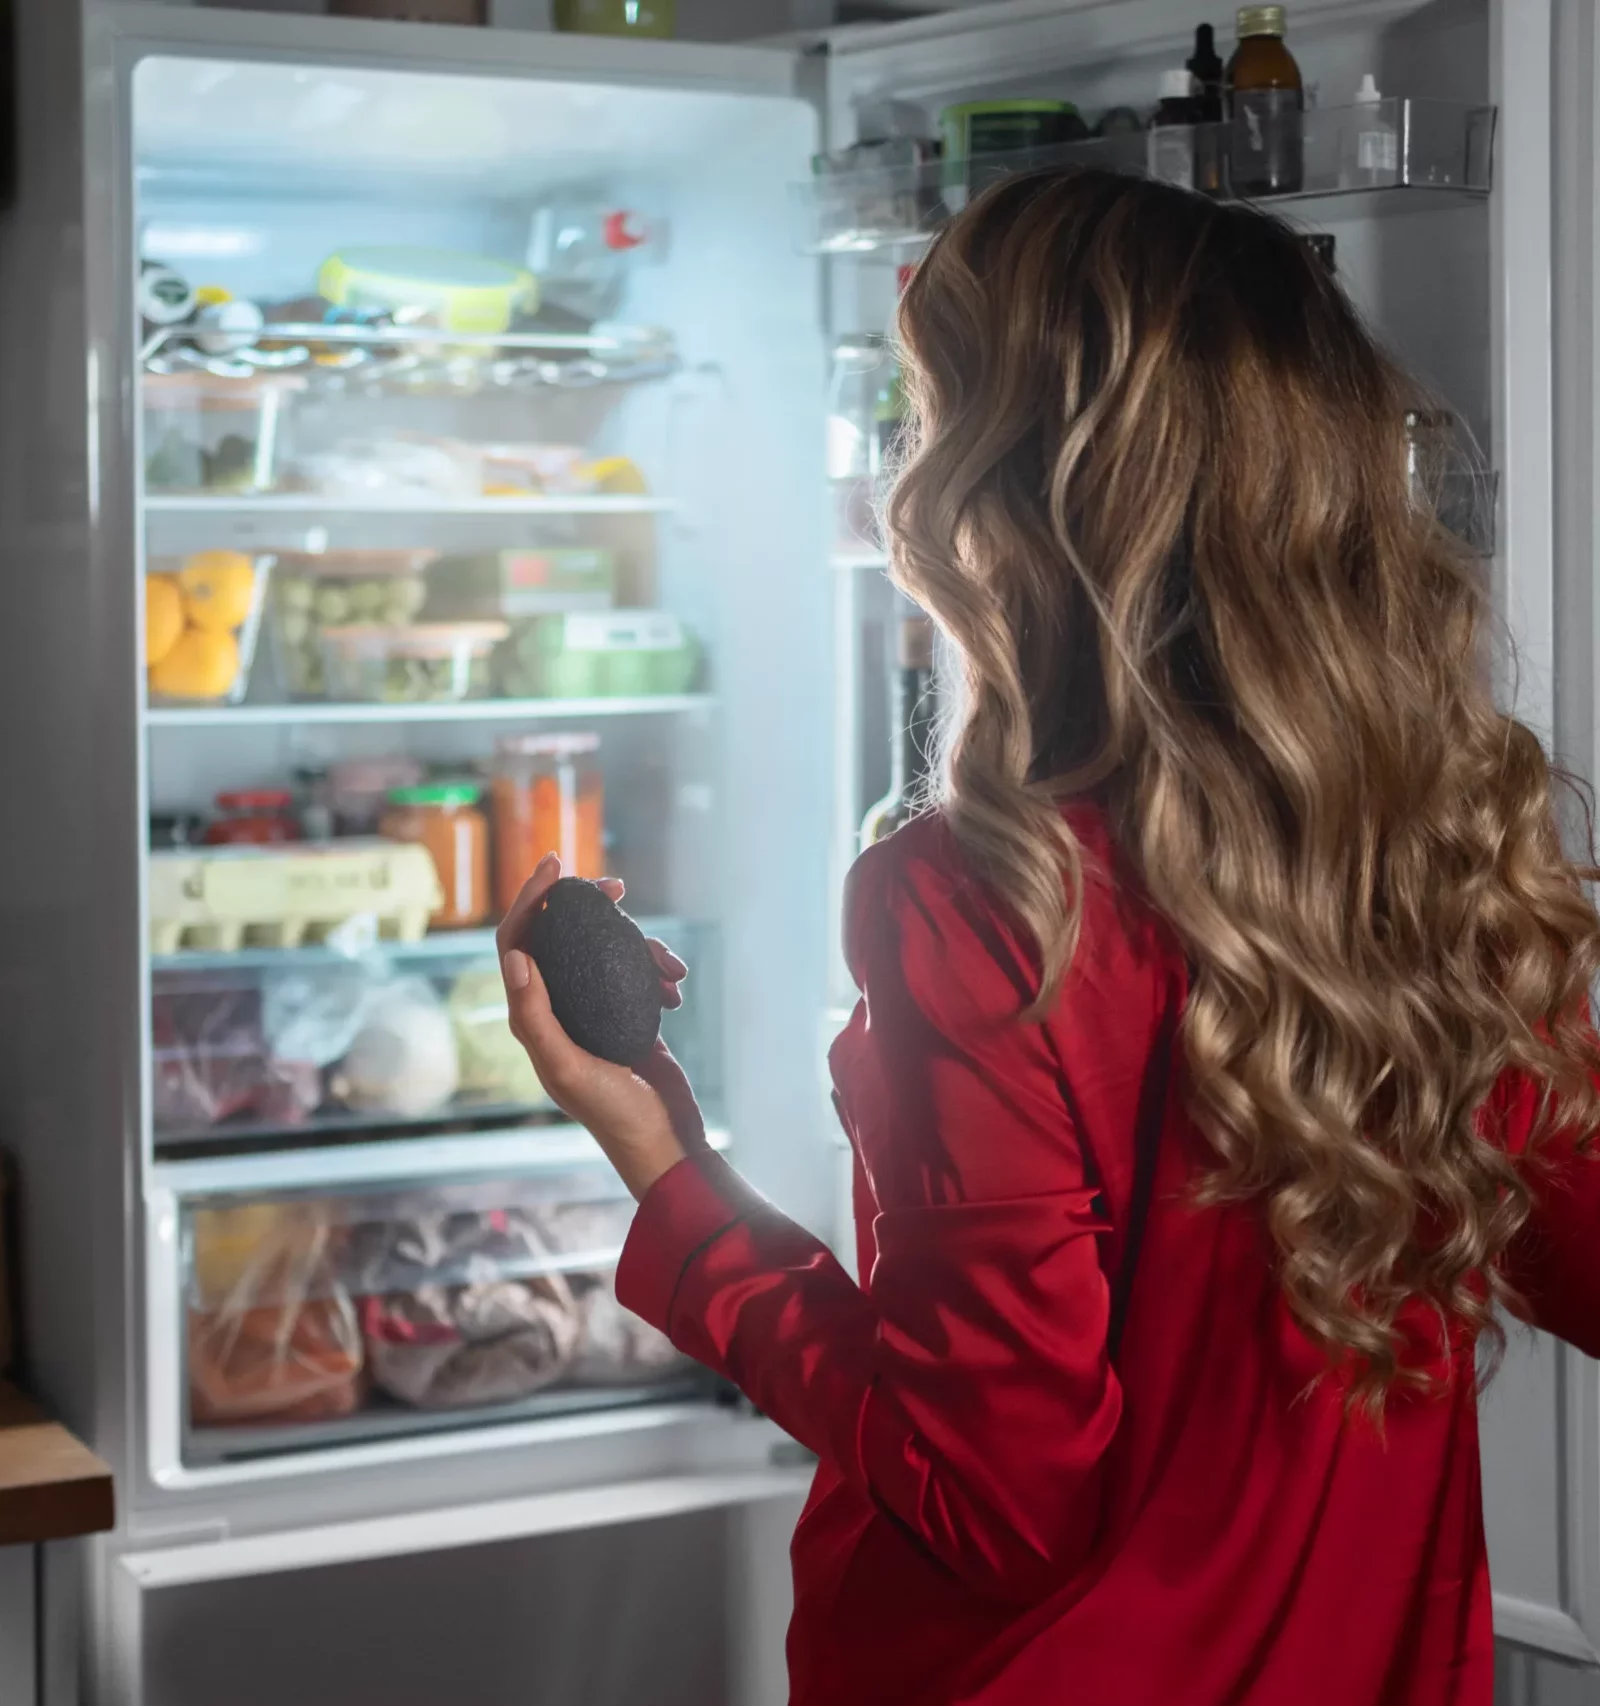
<point x="444" y="817"/>
<point x="547" y="797"/>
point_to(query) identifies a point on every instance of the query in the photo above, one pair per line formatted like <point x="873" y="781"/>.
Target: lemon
<point x="617" y="475"/>
<point x="201" y="664"/>
<point x="218" y="589"/>
<point x="163" y="617"/>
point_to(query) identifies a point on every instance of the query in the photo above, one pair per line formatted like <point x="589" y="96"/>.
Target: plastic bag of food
<point x="273" y="1335"/>
<point x="402" y="1059"/>
<point x="212" y="1063"/>
<point x="460" y="1307"/>
<point x="616" y="1347"/>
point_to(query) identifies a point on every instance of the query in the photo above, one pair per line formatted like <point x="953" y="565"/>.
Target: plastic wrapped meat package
<point x="212" y="1064"/>
<point x="463" y="1307"/>
<point x="273" y="1335"/>
<point x="617" y="1348"/>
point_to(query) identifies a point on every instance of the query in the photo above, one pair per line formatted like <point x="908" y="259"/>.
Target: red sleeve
<point x="967" y="1391"/>
<point x="1554" y="1262"/>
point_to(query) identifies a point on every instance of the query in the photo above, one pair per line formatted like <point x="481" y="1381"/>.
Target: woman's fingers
<point x="556" y="1058"/>
<point x="673" y="971"/>
<point x="612" y="888"/>
<point x="528" y="901"/>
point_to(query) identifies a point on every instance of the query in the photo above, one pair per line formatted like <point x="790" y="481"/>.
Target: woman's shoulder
<point x="918" y="885"/>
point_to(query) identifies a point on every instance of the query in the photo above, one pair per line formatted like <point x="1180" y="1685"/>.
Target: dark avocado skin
<point x="604" y="988"/>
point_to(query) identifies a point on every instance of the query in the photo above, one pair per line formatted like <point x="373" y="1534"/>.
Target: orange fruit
<point x="201" y="664"/>
<point x="218" y="589"/>
<point x="163" y="617"/>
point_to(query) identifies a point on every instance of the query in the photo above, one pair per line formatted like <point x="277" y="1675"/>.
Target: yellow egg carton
<point x="223" y="899"/>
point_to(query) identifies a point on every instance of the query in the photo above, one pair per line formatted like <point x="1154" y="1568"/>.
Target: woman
<point x="1223" y="1056"/>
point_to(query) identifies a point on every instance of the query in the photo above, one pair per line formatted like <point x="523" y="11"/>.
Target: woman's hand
<point x="645" y="1117"/>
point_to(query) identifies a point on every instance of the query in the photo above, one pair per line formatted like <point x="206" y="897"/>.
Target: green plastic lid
<point x="438" y="794"/>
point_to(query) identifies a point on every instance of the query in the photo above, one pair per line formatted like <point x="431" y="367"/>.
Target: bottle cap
<point x="1176" y="85"/>
<point x="449" y="794"/>
<point x="1259" y="21"/>
<point x="1367" y="95"/>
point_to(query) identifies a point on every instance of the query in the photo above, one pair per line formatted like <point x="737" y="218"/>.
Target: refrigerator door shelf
<point x="1434" y="150"/>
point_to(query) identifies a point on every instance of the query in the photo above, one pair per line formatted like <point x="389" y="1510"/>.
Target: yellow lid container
<point x="460" y="293"/>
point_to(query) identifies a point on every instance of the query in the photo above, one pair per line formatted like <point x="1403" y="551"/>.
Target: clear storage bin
<point x="253" y="1047"/>
<point x="204" y="432"/>
<point x="203" y="616"/>
<point x="337" y="589"/>
<point x="427" y="663"/>
<point x="374" y="1311"/>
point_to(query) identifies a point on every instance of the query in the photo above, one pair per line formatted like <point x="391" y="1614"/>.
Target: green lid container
<point x="453" y="795"/>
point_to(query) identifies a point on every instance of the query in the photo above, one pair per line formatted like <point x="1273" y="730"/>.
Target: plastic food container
<point x="460" y="293"/>
<point x="203" y="616"/>
<point x="428" y="663"/>
<point x="444" y="818"/>
<point x="359" y="790"/>
<point x="205" y="433"/>
<point x="338" y="589"/>
<point x="600" y="654"/>
<point x="538" y="581"/>
<point x="548" y="796"/>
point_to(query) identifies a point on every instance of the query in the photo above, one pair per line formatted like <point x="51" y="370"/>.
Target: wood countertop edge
<point x="52" y="1486"/>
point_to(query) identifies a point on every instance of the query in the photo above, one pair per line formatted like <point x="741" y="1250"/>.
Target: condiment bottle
<point x="258" y="817"/>
<point x="444" y="817"/>
<point x="1265" y="103"/>
<point x="1172" y="130"/>
<point x="1206" y="67"/>
<point x="1371" y="152"/>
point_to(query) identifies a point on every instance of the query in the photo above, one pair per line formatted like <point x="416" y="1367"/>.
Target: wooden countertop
<point x="52" y="1487"/>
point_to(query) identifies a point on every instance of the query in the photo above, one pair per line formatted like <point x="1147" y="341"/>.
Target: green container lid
<point x="438" y="794"/>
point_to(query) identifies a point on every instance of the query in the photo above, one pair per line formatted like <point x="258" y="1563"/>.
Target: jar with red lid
<point x="260" y="817"/>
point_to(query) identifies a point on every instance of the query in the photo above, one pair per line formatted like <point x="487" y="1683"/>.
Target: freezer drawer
<point x="311" y="1319"/>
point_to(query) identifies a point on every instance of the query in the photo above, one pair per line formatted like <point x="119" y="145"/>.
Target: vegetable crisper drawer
<point x="314" y="1320"/>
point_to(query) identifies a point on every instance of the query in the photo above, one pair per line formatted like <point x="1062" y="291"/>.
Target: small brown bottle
<point x="1265" y="103"/>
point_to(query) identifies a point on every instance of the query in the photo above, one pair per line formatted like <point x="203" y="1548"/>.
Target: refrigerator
<point x="303" y="1253"/>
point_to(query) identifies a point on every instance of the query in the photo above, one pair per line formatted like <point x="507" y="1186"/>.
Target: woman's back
<point x="1143" y="1484"/>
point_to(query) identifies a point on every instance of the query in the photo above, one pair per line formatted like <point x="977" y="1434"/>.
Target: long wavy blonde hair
<point x="1155" y="491"/>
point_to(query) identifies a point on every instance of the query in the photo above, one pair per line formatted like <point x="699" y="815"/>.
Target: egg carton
<point x="227" y="898"/>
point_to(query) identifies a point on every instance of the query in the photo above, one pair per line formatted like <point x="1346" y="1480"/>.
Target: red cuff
<point x="686" y="1210"/>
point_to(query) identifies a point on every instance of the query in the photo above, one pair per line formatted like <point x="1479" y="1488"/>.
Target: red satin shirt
<point x="1067" y="1451"/>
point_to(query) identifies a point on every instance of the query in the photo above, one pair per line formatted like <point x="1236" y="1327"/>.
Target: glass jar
<point x="359" y="790"/>
<point x="546" y="800"/>
<point x="261" y="817"/>
<point x="445" y="818"/>
<point x="864" y="409"/>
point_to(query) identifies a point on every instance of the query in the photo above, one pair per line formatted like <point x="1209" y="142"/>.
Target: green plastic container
<point x="655" y="18"/>
<point x="977" y="137"/>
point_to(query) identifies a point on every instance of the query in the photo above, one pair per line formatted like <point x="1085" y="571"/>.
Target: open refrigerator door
<point x="1419" y="160"/>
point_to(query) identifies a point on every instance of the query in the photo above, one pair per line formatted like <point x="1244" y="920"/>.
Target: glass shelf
<point x="457" y="711"/>
<point x="424" y="359"/>
<point x="1442" y="150"/>
<point x="291" y="504"/>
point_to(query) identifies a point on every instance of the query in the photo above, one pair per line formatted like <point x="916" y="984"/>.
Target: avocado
<point x="603" y="983"/>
